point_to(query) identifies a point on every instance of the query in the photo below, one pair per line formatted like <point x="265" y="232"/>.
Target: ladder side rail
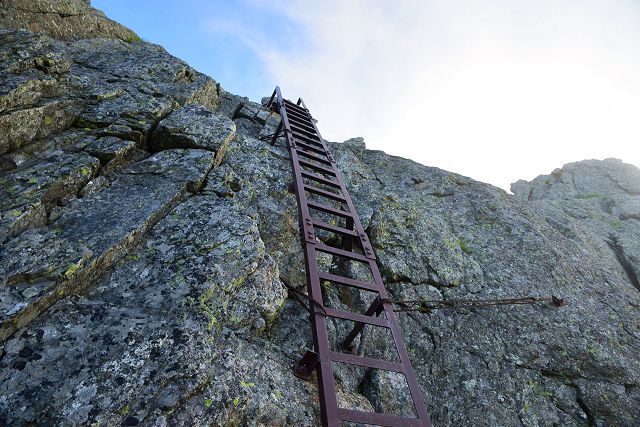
<point x="324" y="372"/>
<point x="331" y="413"/>
<point x="410" y="377"/>
<point x="357" y="225"/>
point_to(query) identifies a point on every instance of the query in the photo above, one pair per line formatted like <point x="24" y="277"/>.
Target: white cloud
<point x="496" y="90"/>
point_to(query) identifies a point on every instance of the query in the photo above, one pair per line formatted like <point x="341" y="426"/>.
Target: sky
<point x="494" y="90"/>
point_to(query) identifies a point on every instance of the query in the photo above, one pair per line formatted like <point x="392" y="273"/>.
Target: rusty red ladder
<point x="312" y="163"/>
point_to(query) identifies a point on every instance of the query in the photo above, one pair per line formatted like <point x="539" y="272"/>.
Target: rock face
<point x="61" y="19"/>
<point x="193" y="127"/>
<point x="147" y="231"/>
<point x="603" y="197"/>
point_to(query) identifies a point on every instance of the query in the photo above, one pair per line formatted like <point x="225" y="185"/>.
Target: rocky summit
<point x="147" y="234"/>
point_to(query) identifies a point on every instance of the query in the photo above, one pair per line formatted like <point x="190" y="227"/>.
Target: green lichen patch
<point x="464" y="246"/>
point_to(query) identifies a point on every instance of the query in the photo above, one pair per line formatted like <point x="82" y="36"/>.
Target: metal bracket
<point x="309" y="235"/>
<point x="330" y="157"/>
<point x="305" y="367"/>
<point x="274" y="137"/>
<point x="366" y="246"/>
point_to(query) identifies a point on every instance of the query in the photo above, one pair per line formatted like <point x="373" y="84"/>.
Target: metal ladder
<point x="312" y="163"/>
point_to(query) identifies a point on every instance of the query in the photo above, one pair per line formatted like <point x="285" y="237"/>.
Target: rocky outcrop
<point x="193" y="127"/>
<point x="147" y="232"/>
<point x="72" y="130"/>
<point x="601" y="198"/>
<point x="61" y="19"/>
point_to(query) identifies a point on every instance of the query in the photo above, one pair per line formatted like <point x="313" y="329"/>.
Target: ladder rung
<point x="321" y="179"/>
<point x="299" y="132"/>
<point x="347" y="281"/>
<point x="311" y="148"/>
<point x="314" y="157"/>
<point x="374" y="418"/>
<point x="304" y="135"/>
<point x="301" y="123"/>
<point x="324" y="193"/>
<point x="298" y="110"/>
<point x="313" y="139"/>
<point x="307" y="140"/>
<point x="367" y="362"/>
<point x="340" y="252"/>
<point x="294" y="114"/>
<point x="294" y="106"/>
<point x="334" y="228"/>
<point x="301" y="115"/>
<point x="361" y="318"/>
<point x="329" y="209"/>
<point x="316" y="167"/>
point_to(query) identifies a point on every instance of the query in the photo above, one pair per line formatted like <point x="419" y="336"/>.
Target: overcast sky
<point x="495" y="90"/>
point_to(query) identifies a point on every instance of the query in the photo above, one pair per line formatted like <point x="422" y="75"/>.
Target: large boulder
<point x="194" y="126"/>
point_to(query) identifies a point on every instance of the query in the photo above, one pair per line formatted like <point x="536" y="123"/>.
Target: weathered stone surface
<point x="215" y="288"/>
<point x="112" y="151"/>
<point x="64" y="19"/>
<point x="132" y="87"/>
<point x="599" y="198"/>
<point x="442" y="235"/>
<point x="484" y="244"/>
<point x="194" y="126"/>
<point x="145" y="66"/>
<point x="20" y="90"/>
<point x="93" y="186"/>
<point x="32" y="54"/>
<point x="94" y="232"/>
<point x="23" y="126"/>
<point x="230" y="103"/>
<point x="28" y="192"/>
<point x="150" y="290"/>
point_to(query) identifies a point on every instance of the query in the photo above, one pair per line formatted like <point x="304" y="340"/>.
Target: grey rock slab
<point x="40" y="182"/>
<point x="147" y="66"/>
<point x="19" y="90"/>
<point x="97" y="184"/>
<point x="437" y="231"/>
<point x="92" y="233"/>
<point x="65" y="19"/>
<point x="19" y="127"/>
<point x="199" y="281"/>
<point x="264" y="176"/>
<point x="123" y="131"/>
<point x="111" y="150"/>
<point x="133" y="109"/>
<point x="194" y="126"/>
<point x="72" y="140"/>
<point x="600" y="198"/>
<point x="30" y="53"/>
<point x="182" y="314"/>
<point x="230" y="103"/>
<point x="252" y="111"/>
